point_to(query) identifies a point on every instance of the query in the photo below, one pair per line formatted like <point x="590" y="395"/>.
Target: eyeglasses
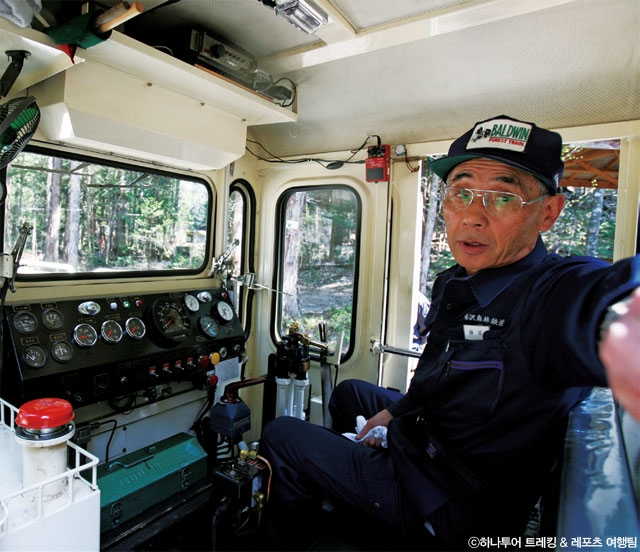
<point x="496" y="203"/>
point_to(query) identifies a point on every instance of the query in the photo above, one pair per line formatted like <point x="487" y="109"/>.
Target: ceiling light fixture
<point x="305" y="15"/>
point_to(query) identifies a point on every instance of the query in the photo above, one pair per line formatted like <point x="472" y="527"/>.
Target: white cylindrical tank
<point x="43" y="427"/>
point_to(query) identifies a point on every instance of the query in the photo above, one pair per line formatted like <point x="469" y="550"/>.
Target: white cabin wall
<point x="628" y="200"/>
<point x="404" y="272"/>
<point x="245" y="168"/>
<point x="269" y="182"/>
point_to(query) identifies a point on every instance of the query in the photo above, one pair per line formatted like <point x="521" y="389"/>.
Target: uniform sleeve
<point x="402" y="406"/>
<point x="569" y="304"/>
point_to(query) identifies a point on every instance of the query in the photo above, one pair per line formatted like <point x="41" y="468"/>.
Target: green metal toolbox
<point x="137" y="481"/>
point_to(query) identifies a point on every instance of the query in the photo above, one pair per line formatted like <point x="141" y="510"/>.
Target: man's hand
<point x="620" y="353"/>
<point x="382" y="418"/>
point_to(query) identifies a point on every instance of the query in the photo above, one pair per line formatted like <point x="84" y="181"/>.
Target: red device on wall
<point x="377" y="163"/>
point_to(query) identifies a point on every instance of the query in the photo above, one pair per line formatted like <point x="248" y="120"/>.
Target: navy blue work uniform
<point x="509" y="351"/>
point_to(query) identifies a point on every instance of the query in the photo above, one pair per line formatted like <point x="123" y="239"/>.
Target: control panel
<point x="96" y="349"/>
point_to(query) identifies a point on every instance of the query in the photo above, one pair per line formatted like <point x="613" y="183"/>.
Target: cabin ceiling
<point x="422" y="70"/>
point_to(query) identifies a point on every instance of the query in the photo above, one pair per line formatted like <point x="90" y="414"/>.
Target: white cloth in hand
<point x="378" y="432"/>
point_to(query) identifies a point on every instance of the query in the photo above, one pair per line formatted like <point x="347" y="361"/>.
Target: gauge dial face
<point x="209" y="326"/>
<point x="34" y="356"/>
<point x="111" y="331"/>
<point x="135" y="327"/>
<point x="191" y="303"/>
<point x="85" y="335"/>
<point x="25" y="322"/>
<point x="52" y="319"/>
<point x="204" y="297"/>
<point x="62" y="351"/>
<point x="224" y="311"/>
<point x="171" y="321"/>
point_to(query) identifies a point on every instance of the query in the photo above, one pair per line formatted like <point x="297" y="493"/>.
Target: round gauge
<point x="62" y="351"/>
<point x="135" y="327"/>
<point x="34" y="356"/>
<point x="191" y="302"/>
<point x="85" y="335"/>
<point x="224" y="311"/>
<point x="171" y="321"/>
<point x="209" y="326"/>
<point x="204" y="297"/>
<point x="52" y="319"/>
<point x="111" y="331"/>
<point x="25" y="322"/>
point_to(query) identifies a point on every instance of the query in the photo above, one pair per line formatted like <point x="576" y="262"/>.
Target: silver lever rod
<point x="378" y="348"/>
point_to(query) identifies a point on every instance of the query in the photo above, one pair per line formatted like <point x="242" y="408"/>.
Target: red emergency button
<point x="42" y="414"/>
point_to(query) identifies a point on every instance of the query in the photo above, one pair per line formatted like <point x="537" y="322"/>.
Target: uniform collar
<point x="487" y="284"/>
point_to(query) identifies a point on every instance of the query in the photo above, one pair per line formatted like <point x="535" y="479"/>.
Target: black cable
<point x="221" y="512"/>
<point x="113" y="432"/>
<point x="294" y="91"/>
<point x="275" y="159"/>
<point x="96" y="425"/>
<point x="274" y="90"/>
<point x="326" y="163"/>
<point x="211" y="392"/>
<point x="355" y="151"/>
<point x="197" y="425"/>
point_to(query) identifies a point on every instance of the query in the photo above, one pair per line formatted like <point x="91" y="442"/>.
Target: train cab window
<point x="319" y="236"/>
<point x="88" y="217"/>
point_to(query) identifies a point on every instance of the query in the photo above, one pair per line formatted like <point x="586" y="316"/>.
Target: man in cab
<point x="516" y="337"/>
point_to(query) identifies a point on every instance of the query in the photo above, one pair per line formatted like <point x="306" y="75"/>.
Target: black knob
<point x="218" y="51"/>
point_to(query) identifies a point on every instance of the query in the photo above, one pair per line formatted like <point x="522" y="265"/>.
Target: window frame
<point x="118" y="163"/>
<point x="247" y="245"/>
<point x="279" y="233"/>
